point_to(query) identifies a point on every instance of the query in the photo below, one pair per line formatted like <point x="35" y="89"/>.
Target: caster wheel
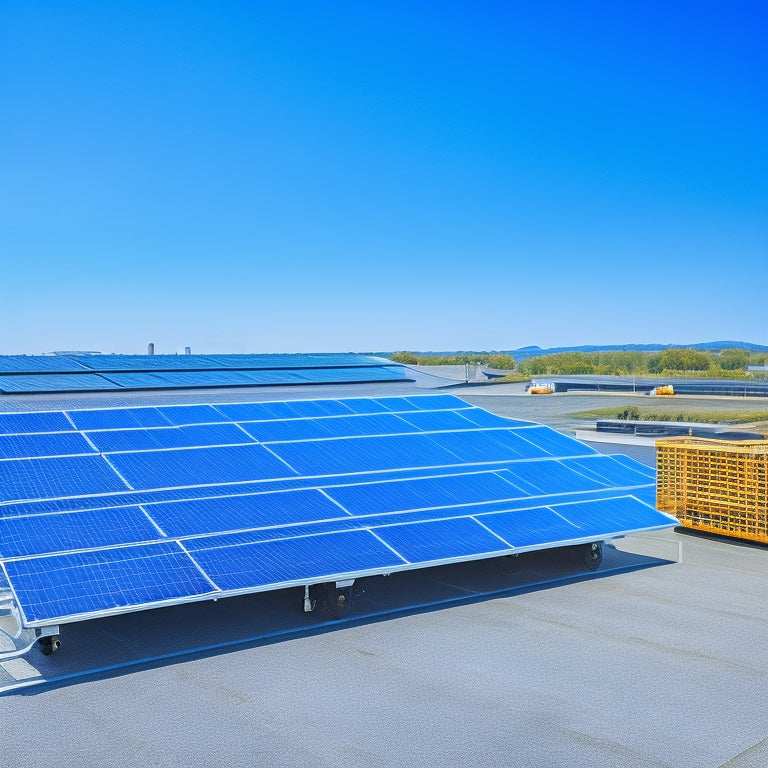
<point x="339" y="603"/>
<point x="49" y="644"/>
<point x="336" y="602"/>
<point x="592" y="555"/>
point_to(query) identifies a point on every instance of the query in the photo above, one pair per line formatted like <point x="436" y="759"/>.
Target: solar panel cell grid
<point x="346" y="455"/>
<point x="546" y="474"/>
<point x="118" y="418"/>
<point x="55" y="382"/>
<point x="168" y="437"/>
<point x="429" y="492"/>
<point x="554" y="443"/>
<point x="490" y="445"/>
<point x="441" y="540"/>
<point x="39" y="364"/>
<point x="199" y="466"/>
<point x="437" y="402"/>
<point x="106" y="580"/>
<point x="428" y="421"/>
<point x="293" y="429"/>
<point x="399" y="404"/>
<point x="189" y="518"/>
<point x="604" y="470"/>
<point x="45" y="421"/>
<point x="600" y="517"/>
<point x="22" y="479"/>
<point x="312" y="558"/>
<point x="530" y="527"/>
<point x="28" y="446"/>
<point x="67" y="531"/>
<point x="182" y="415"/>
<point x="484" y="419"/>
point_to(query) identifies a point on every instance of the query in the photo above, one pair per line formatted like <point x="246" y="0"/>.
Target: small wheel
<point x="49" y="644"/>
<point x="336" y="601"/>
<point x="592" y="554"/>
<point x="339" y="603"/>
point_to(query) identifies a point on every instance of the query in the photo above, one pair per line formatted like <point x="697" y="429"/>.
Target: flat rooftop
<point x="651" y="661"/>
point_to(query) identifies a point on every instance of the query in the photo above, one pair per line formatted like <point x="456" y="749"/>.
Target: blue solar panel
<point x="649" y="472"/>
<point x="63" y="586"/>
<point x="485" y="446"/>
<point x="276" y="410"/>
<point x="180" y="379"/>
<point x="485" y="419"/>
<point x="55" y="382"/>
<point x="252" y="412"/>
<point x="554" y="443"/>
<point x="291" y="429"/>
<point x="437" y="402"/>
<point x="365" y="405"/>
<point x="66" y="531"/>
<point x="266" y="378"/>
<point x="58" y="444"/>
<point x="231" y="513"/>
<point x="601" y="518"/>
<point x="540" y="477"/>
<point x="148" y="362"/>
<point x="441" y="540"/>
<point x="199" y="466"/>
<point x="530" y="527"/>
<point x="181" y="415"/>
<point x="398" y="495"/>
<point x="607" y="471"/>
<point x="351" y="375"/>
<point x="429" y="421"/>
<point x="398" y="404"/>
<point x="168" y="437"/>
<point x="362" y="454"/>
<point x="44" y="421"/>
<point x="302" y="360"/>
<point x="118" y="418"/>
<point x="312" y="558"/>
<point x="52" y="478"/>
<point x="310" y="408"/>
<point x="38" y="364"/>
<point x="333" y="488"/>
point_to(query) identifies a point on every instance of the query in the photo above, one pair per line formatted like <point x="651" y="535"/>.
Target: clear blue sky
<point x="374" y="176"/>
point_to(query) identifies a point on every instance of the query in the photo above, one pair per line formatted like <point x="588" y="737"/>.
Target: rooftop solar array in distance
<point x="127" y="363"/>
<point x="119" y="509"/>
<point x="20" y="374"/>
<point x="40" y="364"/>
<point x="56" y="382"/>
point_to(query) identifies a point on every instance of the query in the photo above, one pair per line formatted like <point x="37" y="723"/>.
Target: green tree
<point x="679" y="360"/>
<point x="500" y="361"/>
<point x="407" y="358"/>
<point x="733" y="359"/>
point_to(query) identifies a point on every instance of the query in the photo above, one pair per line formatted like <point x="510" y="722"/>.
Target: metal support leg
<point x="309" y="603"/>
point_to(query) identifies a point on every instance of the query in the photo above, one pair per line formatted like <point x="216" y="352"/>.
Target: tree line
<point x="725" y="364"/>
<point x="497" y="360"/>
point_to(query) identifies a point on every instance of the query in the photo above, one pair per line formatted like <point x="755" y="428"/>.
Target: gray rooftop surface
<point x="514" y="662"/>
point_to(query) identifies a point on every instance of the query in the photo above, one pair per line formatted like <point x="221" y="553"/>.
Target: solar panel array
<point x="111" y="510"/>
<point x="90" y="373"/>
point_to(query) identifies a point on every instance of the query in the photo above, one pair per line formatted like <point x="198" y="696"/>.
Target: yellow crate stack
<point x="719" y="486"/>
